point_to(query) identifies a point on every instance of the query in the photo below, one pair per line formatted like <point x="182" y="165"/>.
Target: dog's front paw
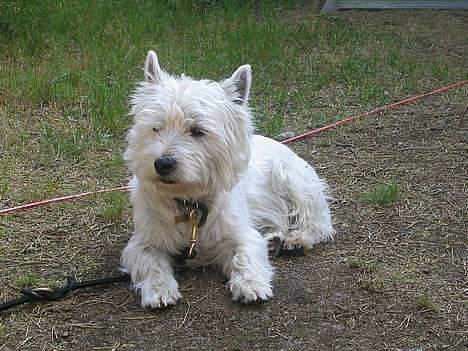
<point x="158" y="293"/>
<point x="249" y="290"/>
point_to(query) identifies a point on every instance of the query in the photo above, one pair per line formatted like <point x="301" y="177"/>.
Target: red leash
<point x="59" y="199"/>
<point x="287" y="141"/>
<point x="377" y="110"/>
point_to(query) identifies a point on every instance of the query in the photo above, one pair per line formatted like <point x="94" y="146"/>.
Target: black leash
<point x="47" y="294"/>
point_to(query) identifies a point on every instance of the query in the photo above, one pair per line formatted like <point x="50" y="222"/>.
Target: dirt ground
<point x="395" y="278"/>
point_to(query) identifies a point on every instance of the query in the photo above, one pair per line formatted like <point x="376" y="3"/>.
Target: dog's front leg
<point x="248" y="268"/>
<point x="152" y="274"/>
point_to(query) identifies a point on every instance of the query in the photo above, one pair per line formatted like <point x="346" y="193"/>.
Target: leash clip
<point x="195" y="218"/>
<point x="196" y="213"/>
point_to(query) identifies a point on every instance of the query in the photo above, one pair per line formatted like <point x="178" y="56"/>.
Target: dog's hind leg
<point x="305" y="195"/>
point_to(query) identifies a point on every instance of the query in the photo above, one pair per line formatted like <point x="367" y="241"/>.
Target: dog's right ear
<point x="152" y="69"/>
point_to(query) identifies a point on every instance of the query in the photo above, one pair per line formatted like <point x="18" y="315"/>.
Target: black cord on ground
<point x="47" y="294"/>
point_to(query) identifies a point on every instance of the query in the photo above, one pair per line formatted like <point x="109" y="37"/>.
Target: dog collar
<point x="196" y="213"/>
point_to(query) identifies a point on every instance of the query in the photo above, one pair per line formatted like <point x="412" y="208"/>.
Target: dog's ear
<point x="152" y="69"/>
<point x="237" y="87"/>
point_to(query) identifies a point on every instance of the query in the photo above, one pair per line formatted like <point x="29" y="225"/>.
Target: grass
<point x="4" y="186"/>
<point x="87" y="70"/>
<point x="401" y="277"/>
<point x="368" y="273"/>
<point x="382" y="194"/>
<point x="375" y="275"/>
<point x="366" y="265"/>
<point x="28" y="280"/>
<point x="425" y="303"/>
<point x="374" y="284"/>
<point x="3" y="330"/>
<point x="114" y="205"/>
<point x="64" y="144"/>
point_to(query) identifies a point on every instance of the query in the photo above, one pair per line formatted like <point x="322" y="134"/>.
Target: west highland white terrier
<point x="204" y="184"/>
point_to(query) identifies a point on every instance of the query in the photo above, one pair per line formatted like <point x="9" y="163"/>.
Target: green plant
<point x="114" y="206"/>
<point x="28" y="280"/>
<point x="382" y="194"/>
<point x="426" y="304"/>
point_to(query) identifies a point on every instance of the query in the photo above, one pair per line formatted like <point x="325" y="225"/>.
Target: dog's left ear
<point x="237" y="87"/>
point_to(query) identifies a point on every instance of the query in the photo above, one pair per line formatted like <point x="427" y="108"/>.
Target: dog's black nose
<point x="164" y="165"/>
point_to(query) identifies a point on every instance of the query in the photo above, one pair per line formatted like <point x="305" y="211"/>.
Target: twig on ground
<point x="186" y="315"/>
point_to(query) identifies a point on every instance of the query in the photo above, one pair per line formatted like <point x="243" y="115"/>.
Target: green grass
<point x="382" y="194"/>
<point x="113" y="205"/>
<point x="360" y="263"/>
<point x="64" y="144"/>
<point x="3" y="330"/>
<point x="28" y="280"/>
<point x="98" y="58"/>
<point x="4" y="186"/>
<point x="401" y="277"/>
<point x="375" y="274"/>
<point x="427" y="304"/>
<point x="374" y="284"/>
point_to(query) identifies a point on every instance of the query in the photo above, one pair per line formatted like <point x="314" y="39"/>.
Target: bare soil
<point x="395" y="277"/>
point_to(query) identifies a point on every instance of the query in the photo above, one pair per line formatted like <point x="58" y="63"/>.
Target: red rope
<point x="59" y="199"/>
<point x="377" y="110"/>
<point x="287" y="141"/>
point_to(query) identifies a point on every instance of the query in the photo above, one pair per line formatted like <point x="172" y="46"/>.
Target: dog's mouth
<point x="167" y="181"/>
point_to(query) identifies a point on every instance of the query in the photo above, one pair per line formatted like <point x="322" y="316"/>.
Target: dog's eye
<point x="155" y="130"/>
<point x="197" y="132"/>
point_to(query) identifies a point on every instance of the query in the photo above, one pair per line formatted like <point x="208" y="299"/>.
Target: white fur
<point x="255" y="188"/>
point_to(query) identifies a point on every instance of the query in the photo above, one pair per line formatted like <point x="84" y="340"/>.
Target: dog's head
<point x="189" y="137"/>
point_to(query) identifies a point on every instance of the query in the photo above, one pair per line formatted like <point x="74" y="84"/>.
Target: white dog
<point x="202" y="180"/>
